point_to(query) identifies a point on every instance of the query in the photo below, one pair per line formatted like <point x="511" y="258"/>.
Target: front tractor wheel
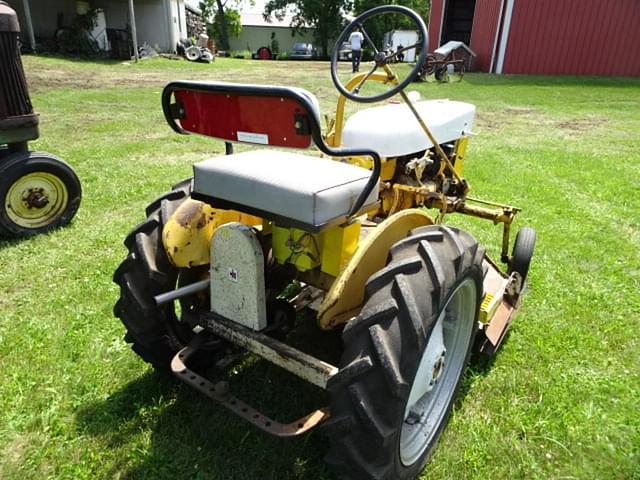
<point x="156" y="333"/>
<point x="39" y="192"/>
<point x="404" y="355"/>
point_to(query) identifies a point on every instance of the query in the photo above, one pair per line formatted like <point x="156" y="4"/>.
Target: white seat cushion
<point x="308" y="190"/>
<point x="392" y="130"/>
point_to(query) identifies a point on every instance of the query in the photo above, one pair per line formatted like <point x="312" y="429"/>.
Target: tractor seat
<point x="291" y="189"/>
<point x="392" y="130"/>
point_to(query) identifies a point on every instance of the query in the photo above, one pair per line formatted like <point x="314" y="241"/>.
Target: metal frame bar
<point x="309" y="368"/>
<point x="190" y="289"/>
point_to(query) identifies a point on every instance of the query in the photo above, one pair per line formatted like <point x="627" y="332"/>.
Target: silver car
<point x="303" y="51"/>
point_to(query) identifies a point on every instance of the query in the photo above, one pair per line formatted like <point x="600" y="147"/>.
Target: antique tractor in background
<point x="226" y="262"/>
<point x="38" y="191"/>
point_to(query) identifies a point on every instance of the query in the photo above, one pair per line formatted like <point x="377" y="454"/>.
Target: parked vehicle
<point x="402" y="38"/>
<point x="449" y="58"/>
<point x="303" y="51"/>
<point x="344" y="53"/>
<point x="38" y="191"/>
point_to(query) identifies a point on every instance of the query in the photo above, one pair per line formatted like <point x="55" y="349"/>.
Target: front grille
<point x="14" y="96"/>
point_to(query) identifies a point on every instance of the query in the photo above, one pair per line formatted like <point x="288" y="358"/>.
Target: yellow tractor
<point x="225" y="262"/>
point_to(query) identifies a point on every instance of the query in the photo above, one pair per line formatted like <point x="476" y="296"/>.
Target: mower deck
<point x="498" y="307"/>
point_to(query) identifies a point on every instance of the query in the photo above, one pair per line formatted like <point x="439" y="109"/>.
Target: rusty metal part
<point x="498" y="214"/>
<point x="37" y="198"/>
<point x="504" y="250"/>
<point x="308" y="296"/>
<point x="305" y="366"/>
<point x="220" y="393"/>
<point x="502" y="296"/>
<point x="446" y="163"/>
<point x="408" y="196"/>
<point x="497" y="328"/>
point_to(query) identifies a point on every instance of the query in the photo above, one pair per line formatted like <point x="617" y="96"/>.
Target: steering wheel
<point x="381" y="59"/>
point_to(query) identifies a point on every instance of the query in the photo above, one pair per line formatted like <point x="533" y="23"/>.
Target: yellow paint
<point x="345" y="297"/>
<point x="460" y="153"/>
<point x="295" y="246"/>
<point x="386" y="172"/>
<point x="329" y="249"/>
<point x="485" y="307"/>
<point x="187" y="234"/>
<point x="48" y="186"/>
<point x="338" y="246"/>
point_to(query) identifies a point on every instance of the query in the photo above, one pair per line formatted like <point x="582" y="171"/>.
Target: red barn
<point x="551" y="37"/>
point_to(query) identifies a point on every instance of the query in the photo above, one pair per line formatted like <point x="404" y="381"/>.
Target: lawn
<point x="561" y="399"/>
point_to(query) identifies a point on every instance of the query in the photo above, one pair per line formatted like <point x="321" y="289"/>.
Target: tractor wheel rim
<point x="36" y="200"/>
<point x="438" y="372"/>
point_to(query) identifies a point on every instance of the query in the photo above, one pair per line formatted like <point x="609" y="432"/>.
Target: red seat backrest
<point x="276" y="116"/>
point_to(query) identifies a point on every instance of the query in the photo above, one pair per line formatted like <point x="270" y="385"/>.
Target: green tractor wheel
<point x="404" y="355"/>
<point x="39" y="192"/>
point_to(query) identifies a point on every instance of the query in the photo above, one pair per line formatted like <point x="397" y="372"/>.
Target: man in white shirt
<point x="355" y="39"/>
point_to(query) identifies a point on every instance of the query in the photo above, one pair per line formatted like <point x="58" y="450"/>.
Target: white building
<point x="159" y="23"/>
<point x="256" y="32"/>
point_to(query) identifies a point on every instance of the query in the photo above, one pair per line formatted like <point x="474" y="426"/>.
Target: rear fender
<point x="186" y="236"/>
<point x="346" y="295"/>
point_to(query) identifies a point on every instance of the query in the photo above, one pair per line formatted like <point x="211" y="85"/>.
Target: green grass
<point x="561" y="400"/>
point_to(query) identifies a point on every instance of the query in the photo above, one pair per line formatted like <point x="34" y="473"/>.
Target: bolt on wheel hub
<point x="36" y="198"/>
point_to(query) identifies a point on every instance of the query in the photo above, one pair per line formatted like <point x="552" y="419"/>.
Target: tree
<point x="225" y="17"/>
<point x="421" y="7"/>
<point x="327" y="17"/>
<point x="378" y="26"/>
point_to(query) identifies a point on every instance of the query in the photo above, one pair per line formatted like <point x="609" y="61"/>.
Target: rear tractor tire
<point x="404" y="356"/>
<point x="156" y="333"/>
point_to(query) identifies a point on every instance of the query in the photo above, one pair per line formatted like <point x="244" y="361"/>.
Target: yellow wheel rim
<point x="36" y="200"/>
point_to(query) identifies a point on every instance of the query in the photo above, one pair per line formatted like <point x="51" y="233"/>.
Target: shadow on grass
<point x="192" y="437"/>
<point x="6" y="242"/>
<point x="479" y="366"/>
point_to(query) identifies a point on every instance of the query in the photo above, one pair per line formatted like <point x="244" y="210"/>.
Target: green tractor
<point x="39" y="192"/>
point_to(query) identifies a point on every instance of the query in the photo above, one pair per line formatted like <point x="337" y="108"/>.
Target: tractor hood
<point x="392" y="130"/>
